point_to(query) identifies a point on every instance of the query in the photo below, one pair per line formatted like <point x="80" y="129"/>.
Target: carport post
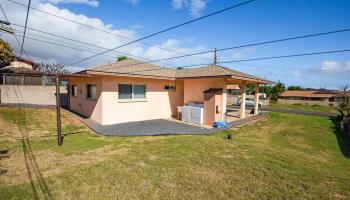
<point x="243" y="96"/>
<point x="256" y="99"/>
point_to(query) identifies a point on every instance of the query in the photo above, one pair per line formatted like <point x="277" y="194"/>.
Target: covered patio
<point x="244" y="112"/>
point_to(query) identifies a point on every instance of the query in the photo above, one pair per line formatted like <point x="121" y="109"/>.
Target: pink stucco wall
<point x="88" y="107"/>
<point x="108" y="109"/>
<point x="194" y="88"/>
<point x="159" y="103"/>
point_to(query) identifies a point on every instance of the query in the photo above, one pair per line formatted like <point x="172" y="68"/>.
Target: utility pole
<point x="215" y="57"/>
<point x="58" y="111"/>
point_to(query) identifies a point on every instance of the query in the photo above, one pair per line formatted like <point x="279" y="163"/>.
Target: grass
<point x="285" y="157"/>
<point x="317" y="108"/>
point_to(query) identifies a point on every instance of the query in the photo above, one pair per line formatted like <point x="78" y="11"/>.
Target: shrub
<point x="316" y="105"/>
<point x="297" y="104"/>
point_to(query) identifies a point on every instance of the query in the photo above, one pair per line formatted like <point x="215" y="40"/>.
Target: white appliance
<point x="192" y="114"/>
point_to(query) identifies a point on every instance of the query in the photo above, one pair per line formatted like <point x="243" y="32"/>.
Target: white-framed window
<point x="129" y="91"/>
<point x="74" y="90"/>
<point x="170" y="87"/>
<point x="91" y="91"/>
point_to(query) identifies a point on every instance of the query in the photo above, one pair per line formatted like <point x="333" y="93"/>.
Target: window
<point x="170" y="87"/>
<point x="132" y="91"/>
<point x="91" y="91"/>
<point x="73" y="90"/>
<point x="125" y="91"/>
<point x="139" y="91"/>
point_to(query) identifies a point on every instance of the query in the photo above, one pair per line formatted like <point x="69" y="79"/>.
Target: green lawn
<point x="316" y="108"/>
<point x="285" y="157"/>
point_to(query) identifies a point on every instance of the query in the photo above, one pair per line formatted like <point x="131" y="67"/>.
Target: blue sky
<point x="255" y="22"/>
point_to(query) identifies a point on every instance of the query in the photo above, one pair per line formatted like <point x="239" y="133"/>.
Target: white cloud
<point x="176" y="50"/>
<point x="133" y="2"/>
<point x="50" y="53"/>
<point x="296" y="72"/>
<point x="195" y="6"/>
<point x="335" y="67"/>
<point x="241" y="54"/>
<point x="93" y="3"/>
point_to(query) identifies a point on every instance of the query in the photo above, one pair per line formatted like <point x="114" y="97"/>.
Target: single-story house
<point x="313" y="97"/>
<point x="131" y="90"/>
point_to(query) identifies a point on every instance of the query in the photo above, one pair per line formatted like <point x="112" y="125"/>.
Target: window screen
<point x="139" y="92"/>
<point x="131" y="91"/>
<point x="91" y="91"/>
<point x="125" y="91"/>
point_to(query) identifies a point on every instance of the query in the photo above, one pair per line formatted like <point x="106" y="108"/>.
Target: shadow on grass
<point x="33" y="170"/>
<point x="343" y="139"/>
<point x="3" y="154"/>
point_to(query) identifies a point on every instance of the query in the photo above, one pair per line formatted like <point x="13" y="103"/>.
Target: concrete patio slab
<point x="157" y="127"/>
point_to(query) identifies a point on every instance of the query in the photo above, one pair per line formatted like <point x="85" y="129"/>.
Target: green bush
<point x="316" y="105"/>
<point x="297" y="104"/>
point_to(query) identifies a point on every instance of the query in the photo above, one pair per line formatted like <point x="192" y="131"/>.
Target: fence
<point x="13" y="79"/>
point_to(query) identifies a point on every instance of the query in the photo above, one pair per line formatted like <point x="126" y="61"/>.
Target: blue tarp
<point x="220" y="124"/>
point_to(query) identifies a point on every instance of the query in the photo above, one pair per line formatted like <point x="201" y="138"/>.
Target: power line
<point x="25" y="27"/>
<point x="19" y="44"/>
<point x="62" y="45"/>
<point x="231" y="61"/>
<point x="92" y="27"/>
<point x="82" y="42"/>
<point x="276" y="57"/>
<point x="246" y="45"/>
<point x="165" y="30"/>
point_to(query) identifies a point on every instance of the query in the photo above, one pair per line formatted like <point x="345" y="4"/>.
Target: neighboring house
<point x="19" y="62"/>
<point x="19" y="83"/>
<point x="326" y="98"/>
<point x="131" y="90"/>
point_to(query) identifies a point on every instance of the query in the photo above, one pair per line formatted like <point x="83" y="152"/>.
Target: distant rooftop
<point x="308" y="94"/>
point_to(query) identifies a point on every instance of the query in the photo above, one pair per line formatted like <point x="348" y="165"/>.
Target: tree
<point x="343" y="96"/>
<point x="120" y="58"/>
<point x="276" y="91"/>
<point x="295" y="88"/>
<point x="266" y="89"/>
<point x="51" y="68"/>
<point x="250" y="88"/>
<point x="6" y="54"/>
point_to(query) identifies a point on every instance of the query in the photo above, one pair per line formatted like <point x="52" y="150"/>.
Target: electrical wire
<point x="165" y="30"/>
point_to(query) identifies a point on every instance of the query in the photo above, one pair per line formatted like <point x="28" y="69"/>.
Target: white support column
<point x="256" y="99"/>
<point x="243" y="96"/>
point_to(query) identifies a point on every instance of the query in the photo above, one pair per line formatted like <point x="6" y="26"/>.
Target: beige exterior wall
<point x="194" y="88"/>
<point x="88" y="107"/>
<point x="18" y="64"/>
<point x="193" y="92"/>
<point x="108" y="109"/>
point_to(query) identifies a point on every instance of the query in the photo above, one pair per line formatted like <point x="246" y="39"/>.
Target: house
<point x="312" y="97"/>
<point x="131" y="90"/>
<point x="20" y="78"/>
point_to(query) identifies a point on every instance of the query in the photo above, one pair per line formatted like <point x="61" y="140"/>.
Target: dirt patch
<point x="47" y="163"/>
